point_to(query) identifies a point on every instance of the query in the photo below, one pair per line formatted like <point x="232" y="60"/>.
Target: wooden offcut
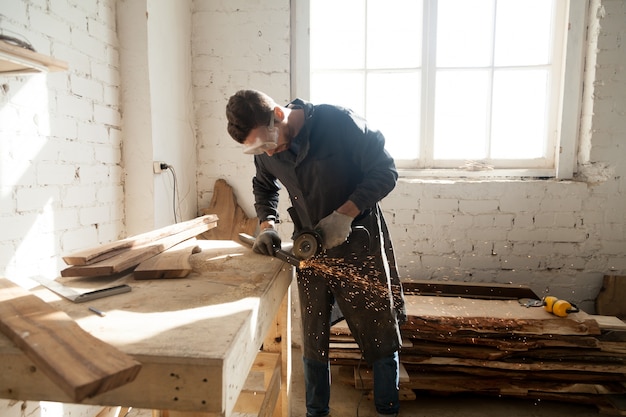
<point x="131" y="256"/>
<point x="233" y="219"/>
<point x="80" y="364"/>
<point x="610" y="300"/>
<point x="172" y="263"/>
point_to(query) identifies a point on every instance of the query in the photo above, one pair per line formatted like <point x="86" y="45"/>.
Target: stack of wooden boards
<point x="454" y="344"/>
<point x="162" y="253"/>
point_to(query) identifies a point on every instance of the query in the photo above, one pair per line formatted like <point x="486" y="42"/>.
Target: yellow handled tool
<point x="558" y="307"/>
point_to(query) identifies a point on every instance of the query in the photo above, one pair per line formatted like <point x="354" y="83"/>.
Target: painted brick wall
<point x="557" y="237"/>
<point x="60" y="139"/>
<point x="235" y="44"/>
<point x="61" y="183"/>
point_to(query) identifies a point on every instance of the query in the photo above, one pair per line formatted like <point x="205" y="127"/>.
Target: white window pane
<point x="464" y="33"/>
<point x="461" y="103"/>
<point x="517" y="41"/>
<point x="394" y="33"/>
<point x="337" y="34"/>
<point x="519" y="114"/>
<point x="393" y="106"/>
<point x="342" y="89"/>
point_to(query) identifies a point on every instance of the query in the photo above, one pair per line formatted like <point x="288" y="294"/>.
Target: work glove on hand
<point x="335" y="229"/>
<point x="267" y="242"/>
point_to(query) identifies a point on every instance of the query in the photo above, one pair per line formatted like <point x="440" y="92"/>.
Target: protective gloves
<point x="335" y="229"/>
<point x="267" y="242"/>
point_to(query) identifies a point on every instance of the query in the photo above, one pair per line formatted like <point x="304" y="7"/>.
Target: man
<point x="336" y="170"/>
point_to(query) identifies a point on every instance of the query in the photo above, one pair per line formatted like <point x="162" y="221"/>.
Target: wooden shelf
<point x="17" y="60"/>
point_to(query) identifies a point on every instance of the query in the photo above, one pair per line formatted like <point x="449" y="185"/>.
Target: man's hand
<point x="267" y="242"/>
<point x="335" y="229"/>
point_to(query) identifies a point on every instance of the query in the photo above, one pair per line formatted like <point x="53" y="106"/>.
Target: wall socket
<point x="156" y="166"/>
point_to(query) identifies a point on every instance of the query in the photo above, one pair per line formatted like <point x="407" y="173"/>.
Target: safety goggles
<point x="266" y="140"/>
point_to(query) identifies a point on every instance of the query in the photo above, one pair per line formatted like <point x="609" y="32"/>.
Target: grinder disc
<point x="306" y="245"/>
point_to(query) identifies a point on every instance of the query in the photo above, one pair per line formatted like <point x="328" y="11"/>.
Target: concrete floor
<point x="346" y="401"/>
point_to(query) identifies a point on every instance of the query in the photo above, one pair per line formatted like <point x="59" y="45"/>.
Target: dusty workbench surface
<point x="196" y="337"/>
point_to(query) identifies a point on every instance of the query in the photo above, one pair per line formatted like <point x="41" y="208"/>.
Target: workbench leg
<point x="278" y="340"/>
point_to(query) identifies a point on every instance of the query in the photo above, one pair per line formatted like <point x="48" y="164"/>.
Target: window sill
<point x="517" y="174"/>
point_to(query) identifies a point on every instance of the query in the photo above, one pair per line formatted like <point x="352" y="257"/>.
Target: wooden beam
<point x="80" y="364"/>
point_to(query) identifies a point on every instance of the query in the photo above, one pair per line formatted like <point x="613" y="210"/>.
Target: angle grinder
<point x="307" y="244"/>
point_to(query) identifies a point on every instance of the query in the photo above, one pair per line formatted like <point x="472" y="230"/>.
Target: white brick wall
<point x="236" y="44"/>
<point x="555" y="236"/>
<point x="60" y="177"/>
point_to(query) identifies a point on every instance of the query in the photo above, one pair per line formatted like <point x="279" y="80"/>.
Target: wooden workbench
<point x="196" y="338"/>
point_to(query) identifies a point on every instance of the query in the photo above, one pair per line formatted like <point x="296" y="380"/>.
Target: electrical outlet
<point x="156" y="167"/>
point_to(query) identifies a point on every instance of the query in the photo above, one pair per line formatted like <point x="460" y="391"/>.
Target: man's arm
<point x="265" y="188"/>
<point x="266" y="224"/>
<point x="349" y="209"/>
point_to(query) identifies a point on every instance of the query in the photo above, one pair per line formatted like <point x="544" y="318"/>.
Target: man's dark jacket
<point x="334" y="158"/>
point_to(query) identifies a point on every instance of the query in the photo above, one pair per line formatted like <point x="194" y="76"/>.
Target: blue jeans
<point x="386" y="380"/>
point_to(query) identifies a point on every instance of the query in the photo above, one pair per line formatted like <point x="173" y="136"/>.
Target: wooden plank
<point x="233" y="219"/>
<point x="490" y="291"/>
<point x="80" y="364"/>
<point x="102" y="252"/>
<point x="609" y="322"/>
<point x="172" y="263"/>
<point x="455" y="315"/>
<point x="534" y="366"/>
<point x="278" y="340"/>
<point x="134" y="256"/>
<point x="610" y="299"/>
<point x="261" y="402"/>
<point x="516" y="343"/>
<point x="480" y="372"/>
<point x="119" y="263"/>
<point x="467" y="383"/>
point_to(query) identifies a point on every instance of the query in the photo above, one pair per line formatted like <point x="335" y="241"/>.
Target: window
<point x="476" y="84"/>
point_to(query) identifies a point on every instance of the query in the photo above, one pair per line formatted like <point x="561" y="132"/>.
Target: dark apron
<point x="362" y="285"/>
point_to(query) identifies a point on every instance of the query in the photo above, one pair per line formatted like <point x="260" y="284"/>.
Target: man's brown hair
<point x="247" y="110"/>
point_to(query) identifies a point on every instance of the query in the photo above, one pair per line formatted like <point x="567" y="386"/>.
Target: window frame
<point x="569" y="106"/>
